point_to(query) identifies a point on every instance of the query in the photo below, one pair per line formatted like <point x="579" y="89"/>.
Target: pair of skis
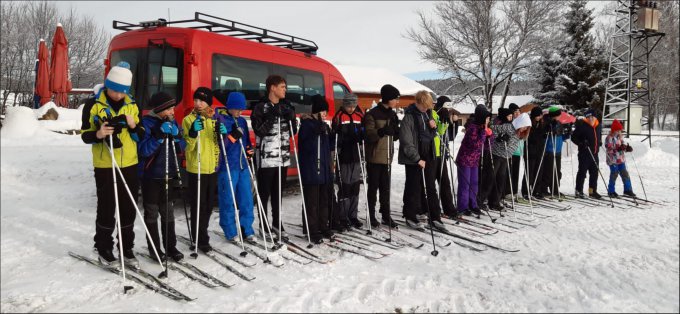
<point x="136" y="274"/>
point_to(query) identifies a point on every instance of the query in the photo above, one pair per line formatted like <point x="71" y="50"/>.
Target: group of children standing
<point x="357" y="148"/>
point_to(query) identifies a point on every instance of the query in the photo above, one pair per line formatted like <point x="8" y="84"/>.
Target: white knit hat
<point x="119" y="78"/>
<point x="521" y="121"/>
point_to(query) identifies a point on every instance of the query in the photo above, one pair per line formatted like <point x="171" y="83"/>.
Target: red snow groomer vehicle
<point x="179" y="56"/>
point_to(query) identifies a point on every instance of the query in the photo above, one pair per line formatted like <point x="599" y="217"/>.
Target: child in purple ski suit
<point x="467" y="160"/>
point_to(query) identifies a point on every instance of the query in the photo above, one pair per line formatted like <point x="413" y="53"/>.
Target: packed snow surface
<point x="587" y="259"/>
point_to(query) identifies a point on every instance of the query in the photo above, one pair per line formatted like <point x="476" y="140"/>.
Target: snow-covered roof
<point x="466" y="106"/>
<point x="369" y="80"/>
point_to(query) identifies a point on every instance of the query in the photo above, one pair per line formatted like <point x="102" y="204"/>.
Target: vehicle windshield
<point x="156" y="68"/>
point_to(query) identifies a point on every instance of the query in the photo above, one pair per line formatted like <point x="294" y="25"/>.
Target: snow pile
<point x="69" y="119"/>
<point x="22" y="127"/>
<point x="20" y="122"/>
<point x="586" y="259"/>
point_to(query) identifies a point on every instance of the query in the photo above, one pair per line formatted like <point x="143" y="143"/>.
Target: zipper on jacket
<point x="318" y="155"/>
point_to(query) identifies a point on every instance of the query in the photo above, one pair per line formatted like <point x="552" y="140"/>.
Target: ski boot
<point x="592" y="193"/>
<point x="629" y="193"/>
<point x="130" y="258"/>
<point x="613" y="195"/>
<point x="579" y="194"/>
<point x="387" y="221"/>
<point x="439" y="226"/>
<point x="175" y="254"/>
<point x="107" y="259"/>
<point x="416" y="225"/>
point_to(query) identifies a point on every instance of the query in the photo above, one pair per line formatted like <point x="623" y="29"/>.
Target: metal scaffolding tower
<point x="627" y="96"/>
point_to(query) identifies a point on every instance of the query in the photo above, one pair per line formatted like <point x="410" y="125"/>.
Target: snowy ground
<point x="589" y="260"/>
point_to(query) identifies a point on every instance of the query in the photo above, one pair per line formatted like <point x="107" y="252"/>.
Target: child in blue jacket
<point x="160" y="126"/>
<point x="236" y="141"/>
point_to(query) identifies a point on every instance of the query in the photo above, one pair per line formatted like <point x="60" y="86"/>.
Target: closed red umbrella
<point x="42" y="78"/>
<point x="60" y="82"/>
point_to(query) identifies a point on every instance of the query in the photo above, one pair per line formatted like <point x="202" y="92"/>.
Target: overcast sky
<point x="365" y="33"/>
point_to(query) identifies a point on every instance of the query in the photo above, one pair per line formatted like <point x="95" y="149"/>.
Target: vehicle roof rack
<point x="229" y="28"/>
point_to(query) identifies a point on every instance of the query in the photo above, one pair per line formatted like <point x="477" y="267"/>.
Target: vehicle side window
<point x="231" y="74"/>
<point x="339" y="92"/>
<point x="302" y="85"/>
<point x="158" y="68"/>
<point x="163" y="72"/>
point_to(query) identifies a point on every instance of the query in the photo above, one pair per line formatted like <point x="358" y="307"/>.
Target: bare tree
<point x="23" y="24"/>
<point x="664" y="72"/>
<point x="486" y="41"/>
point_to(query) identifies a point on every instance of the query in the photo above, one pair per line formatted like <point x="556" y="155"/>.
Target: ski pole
<point x="482" y="178"/>
<point x="451" y="152"/>
<point x="280" y="183"/>
<point x="639" y="177"/>
<point x="337" y="165"/>
<point x="233" y="197"/>
<point x="165" y="273"/>
<point x="526" y="175"/>
<point x="429" y="216"/>
<point x="302" y="190"/>
<point x="260" y="214"/>
<point x="389" y="183"/>
<point x="557" y="174"/>
<point x="571" y="161"/>
<point x="134" y="204"/>
<point x="198" y="190"/>
<point x="444" y="155"/>
<point x="600" y="172"/>
<point x="120" y="232"/>
<point x="538" y="170"/>
<point x="554" y="169"/>
<point x="184" y="202"/>
<point x="363" y="178"/>
<point x="507" y="161"/>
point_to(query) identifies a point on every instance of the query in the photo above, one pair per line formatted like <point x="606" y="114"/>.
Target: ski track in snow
<point x="583" y="260"/>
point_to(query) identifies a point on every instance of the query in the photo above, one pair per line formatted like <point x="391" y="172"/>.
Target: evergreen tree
<point x="579" y="72"/>
<point x="546" y="73"/>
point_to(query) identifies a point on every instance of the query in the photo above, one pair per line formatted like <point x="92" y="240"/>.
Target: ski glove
<point x="235" y="134"/>
<point x="221" y="127"/>
<point x="386" y="130"/>
<point x="321" y="129"/>
<point x="196" y="127"/>
<point x="169" y="128"/>
<point x="503" y="138"/>
<point x="117" y="122"/>
<point x="628" y="148"/>
<point x="288" y="114"/>
<point x="249" y="152"/>
<point x="488" y="132"/>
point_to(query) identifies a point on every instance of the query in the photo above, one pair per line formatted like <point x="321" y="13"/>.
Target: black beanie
<point x="440" y="102"/>
<point x="204" y="94"/>
<point x="388" y="92"/>
<point x="319" y="104"/>
<point x="513" y="106"/>
<point x="536" y="111"/>
<point x="160" y="101"/>
<point x="503" y="113"/>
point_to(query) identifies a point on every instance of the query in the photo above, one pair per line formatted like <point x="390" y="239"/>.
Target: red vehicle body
<point x="178" y="60"/>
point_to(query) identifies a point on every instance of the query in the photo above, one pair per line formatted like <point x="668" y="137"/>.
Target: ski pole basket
<point x="229" y="28"/>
